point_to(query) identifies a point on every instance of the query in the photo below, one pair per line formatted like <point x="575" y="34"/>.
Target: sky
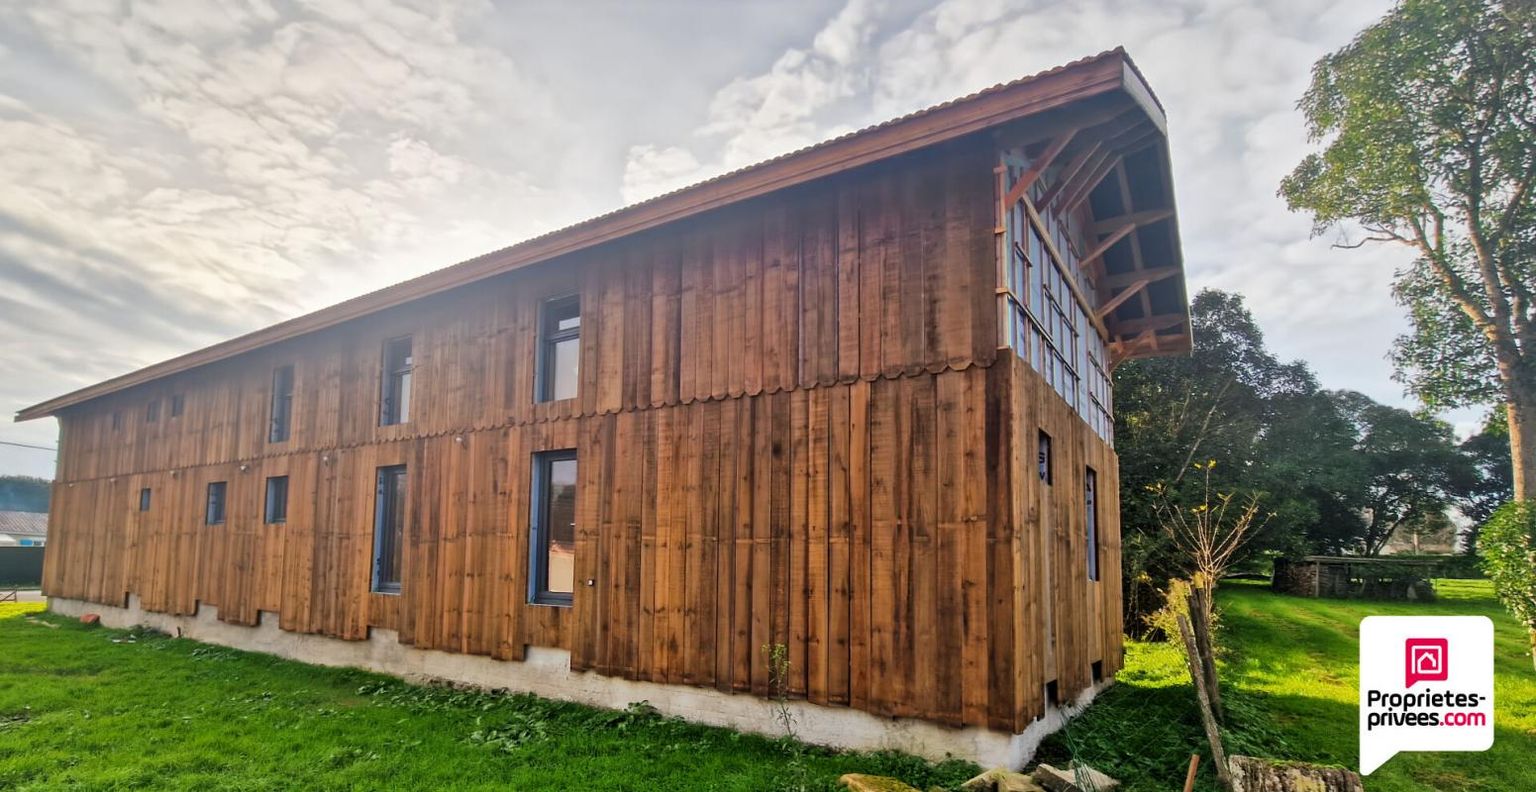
<point x="178" y="173"/>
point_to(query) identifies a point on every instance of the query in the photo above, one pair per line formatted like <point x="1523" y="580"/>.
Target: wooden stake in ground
<point x="1212" y="731"/>
<point x="1200" y="615"/>
<point x="1189" y="778"/>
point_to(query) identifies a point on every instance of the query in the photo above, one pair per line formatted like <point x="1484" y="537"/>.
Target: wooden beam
<point x="1086" y="186"/>
<point x="1068" y="172"/>
<point x="1037" y="167"/>
<point x="1135" y="218"/>
<point x="1061" y="266"/>
<point x="1149" y="323"/>
<point x="1119" y="299"/>
<point x="1151" y="275"/>
<point x="1103" y="245"/>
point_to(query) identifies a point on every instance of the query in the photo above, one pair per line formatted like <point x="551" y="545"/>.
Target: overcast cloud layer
<point x="179" y="173"/>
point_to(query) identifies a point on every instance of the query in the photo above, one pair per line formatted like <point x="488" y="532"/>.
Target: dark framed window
<point x="559" y="365"/>
<point x="395" y="391"/>
<point x="152" y="411"/>
<point x="1091" y="509"/>
<point x="1043" y="454"/>
<point x="276" y="510"/>
<point x="178" y="405"/>
<point x="388" y="528"/>
<point x="144" y="498"/>
<point x="214" y="513"/>
<point x="117" y="420"/>
<point x="552" y="573"/>
<point x="281" y="408"/>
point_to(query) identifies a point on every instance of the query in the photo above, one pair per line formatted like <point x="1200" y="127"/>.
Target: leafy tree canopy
<point x="1427" y="127"/>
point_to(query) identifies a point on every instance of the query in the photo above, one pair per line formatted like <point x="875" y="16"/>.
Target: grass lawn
<point x="101" y="709"/>
<point x="1291" y="688"/>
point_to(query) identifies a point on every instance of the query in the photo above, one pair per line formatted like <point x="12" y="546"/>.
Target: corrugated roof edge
<point x="504" y="259"/>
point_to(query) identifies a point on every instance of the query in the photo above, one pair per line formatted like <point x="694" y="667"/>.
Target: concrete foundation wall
<point x="547" y="672"/>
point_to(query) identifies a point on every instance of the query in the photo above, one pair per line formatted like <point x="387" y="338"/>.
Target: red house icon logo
<point x="1425" y="660"/>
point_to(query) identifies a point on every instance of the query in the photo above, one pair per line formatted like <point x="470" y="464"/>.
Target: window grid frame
<point x="539" y="530"/>
<point x="550" y="337"/>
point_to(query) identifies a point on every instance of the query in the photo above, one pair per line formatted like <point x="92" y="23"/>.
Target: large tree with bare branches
<point x="1426" y="125"/>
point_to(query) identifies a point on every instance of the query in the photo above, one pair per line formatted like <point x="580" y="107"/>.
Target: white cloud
<point x="179" y="172"/>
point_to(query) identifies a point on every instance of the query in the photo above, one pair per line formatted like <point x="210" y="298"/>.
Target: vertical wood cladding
<point x="793" y="427"/>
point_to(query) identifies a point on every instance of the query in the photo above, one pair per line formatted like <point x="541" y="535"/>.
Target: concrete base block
<point x="547" y="672"/>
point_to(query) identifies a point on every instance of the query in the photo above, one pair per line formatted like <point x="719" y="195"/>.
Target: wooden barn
<point x="853" y="402"/>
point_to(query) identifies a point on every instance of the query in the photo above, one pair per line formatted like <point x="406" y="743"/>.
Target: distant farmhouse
<point x="836" y="429"/>
<point x="23" y="529"/>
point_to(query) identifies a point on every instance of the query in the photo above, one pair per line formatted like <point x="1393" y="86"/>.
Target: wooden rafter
<point x="1138" y="219"/>
<point x="1153" y="323"/>
<point x="1085" y="186"/>
<point x="1136" y="257"/>
<point x="1151" y="274"/>
<point x="1103" y="245"/>
<point x="1115" y="302"/>
<point x="1061" y="266"/>
<point x="1038" y="166"/>
<point x="1070" y="171"/>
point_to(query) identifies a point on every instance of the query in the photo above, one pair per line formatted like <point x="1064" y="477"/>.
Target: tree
<point x="1267" y="425"/>
<point x="1509" y="558"/>
<point x="1488" y="482"/>
<point x="1410" y="462"/>
<point x="1209" y="534"/>
<point x="23" y="493"/>
<point x="1427" y="122"/>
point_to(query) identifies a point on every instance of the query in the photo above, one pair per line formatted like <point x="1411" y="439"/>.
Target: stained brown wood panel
<point x="793" y="428"/>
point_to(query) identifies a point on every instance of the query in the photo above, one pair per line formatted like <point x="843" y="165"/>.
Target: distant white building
<point x="23" y="529"/>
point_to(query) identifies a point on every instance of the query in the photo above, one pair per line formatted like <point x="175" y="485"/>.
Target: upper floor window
<point x="388" y="528"/>
<point x="395" y="396"/>
<point x="144" y="496"/>
<point x="214" y="513"/>
<point x="152" y="411"/>
<point x="1091" y="508"/>
<point x="552" y="576"/>
<point x="178" y="405"/>
<point x="559" y="349"/>
<point x="276" y="510"/>
<point x="1044" y="454"/>
<point x="282" y="405"/>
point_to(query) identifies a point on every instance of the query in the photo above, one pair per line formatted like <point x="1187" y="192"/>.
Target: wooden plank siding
<point x="794" y="426"/>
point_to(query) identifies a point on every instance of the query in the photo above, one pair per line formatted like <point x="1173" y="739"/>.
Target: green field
<point x="1290" y="683"/>
<point x="88" y="708"/>
<point x="101" y="709"/>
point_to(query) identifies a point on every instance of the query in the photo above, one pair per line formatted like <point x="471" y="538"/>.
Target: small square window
<point x="277" y="500"/>
<point x="214" y="513"/>
<point x="144" y="498"/>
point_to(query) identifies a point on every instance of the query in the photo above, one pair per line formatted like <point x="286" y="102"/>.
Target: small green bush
<point x="1508" y="547"/>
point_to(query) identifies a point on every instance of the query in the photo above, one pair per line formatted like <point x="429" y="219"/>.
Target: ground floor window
<point x="388" y="528"/>
<point x="552" y="573"/>
<point x="1091" y="507"/>
<point x="277" y="500"/>
<point x="214" y="513"/>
